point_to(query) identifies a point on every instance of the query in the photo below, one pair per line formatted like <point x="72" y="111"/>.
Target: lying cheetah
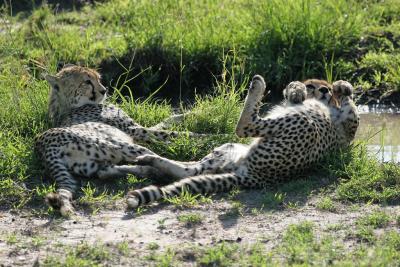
<point x="288" y="140"/>
<point x="90" y="139"/>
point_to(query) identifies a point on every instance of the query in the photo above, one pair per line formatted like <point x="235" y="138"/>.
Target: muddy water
<point x="380" y="127"/>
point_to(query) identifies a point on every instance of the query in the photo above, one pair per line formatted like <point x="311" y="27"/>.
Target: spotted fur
<point x="291" y="138"/>
<point x="89" y="138"/>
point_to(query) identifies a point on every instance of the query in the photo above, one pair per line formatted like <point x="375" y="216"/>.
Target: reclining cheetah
<point x="289" y="139"/>
<point x="90" y="138"/>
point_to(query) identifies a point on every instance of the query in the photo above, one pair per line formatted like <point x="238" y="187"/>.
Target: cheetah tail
<point x="196" y="184"/>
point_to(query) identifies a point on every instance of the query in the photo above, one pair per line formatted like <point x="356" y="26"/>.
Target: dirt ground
<point x="222" y="222"/>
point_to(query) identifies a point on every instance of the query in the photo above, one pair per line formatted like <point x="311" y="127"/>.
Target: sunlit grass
<point x="282" y="42"/>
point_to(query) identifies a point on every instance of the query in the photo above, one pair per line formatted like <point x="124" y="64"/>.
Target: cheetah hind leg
<point x="249" y="115"/>
<point x="295" y="93"/>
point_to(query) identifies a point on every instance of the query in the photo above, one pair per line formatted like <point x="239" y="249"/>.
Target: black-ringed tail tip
<point x="132" y="201"/>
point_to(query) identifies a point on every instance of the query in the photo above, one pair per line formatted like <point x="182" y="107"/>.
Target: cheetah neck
<point x="59" y="106"/>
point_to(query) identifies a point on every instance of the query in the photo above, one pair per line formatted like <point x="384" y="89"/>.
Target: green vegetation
<point x="82" y="255"/>
<point x="365" y="226"/>
<point x="376" y="219"/>
<point x="299" y="247"/>
<point x="187" y="199"/>
<point x="136" y="53"/>
<point x="363" y="178"/>
<point x="190" y="219"/>
<point x="11" y="239"/>
<point x="327" y="204"/>
<point x="170" y="50"/>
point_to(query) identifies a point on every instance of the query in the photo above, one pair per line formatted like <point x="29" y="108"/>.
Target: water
<point x="380" y="126"/>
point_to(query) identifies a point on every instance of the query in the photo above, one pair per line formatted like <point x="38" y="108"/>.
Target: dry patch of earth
<point x="27" y="240"/>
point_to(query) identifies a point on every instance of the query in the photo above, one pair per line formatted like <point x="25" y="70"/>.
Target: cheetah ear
<point x="52" y="80"/>
<point x="285" y="93"/>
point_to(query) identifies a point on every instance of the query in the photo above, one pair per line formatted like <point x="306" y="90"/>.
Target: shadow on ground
<point x="27" y="6"/>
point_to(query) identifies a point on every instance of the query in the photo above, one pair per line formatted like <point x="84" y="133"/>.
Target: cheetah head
<point x="320" y="90"/>
<point x="74" y="86"/>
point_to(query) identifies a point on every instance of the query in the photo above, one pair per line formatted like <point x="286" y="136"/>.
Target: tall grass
<point x="183" y="40"/>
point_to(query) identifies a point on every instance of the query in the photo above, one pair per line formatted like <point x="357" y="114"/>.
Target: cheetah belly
<point x="231" y="155"/>
<point x="277" y="159"/>
<point x="97" y="142"/>
<point x="94" y="131"/>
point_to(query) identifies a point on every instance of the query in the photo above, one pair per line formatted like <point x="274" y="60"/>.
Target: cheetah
<point x="315" y="118"/>
<point x="89" y="138"/>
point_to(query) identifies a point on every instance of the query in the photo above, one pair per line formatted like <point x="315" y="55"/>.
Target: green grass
<point x="326" y="204"/>
<point x="212" y="48"/>
<point x="365" y="226"/>
<point x="177" y="48"/>
<point x="190" y="219"/>
<point x="377" y="219"/>
<point x="81" y="255"/>
<point x="361" y="177"/>
<point x="187" y="200"/>
<point x="184" y="41"/>
<point x="299" y="247"/>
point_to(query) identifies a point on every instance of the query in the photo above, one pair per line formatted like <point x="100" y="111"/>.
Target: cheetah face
<point x="78" y="86"/>
<point x="320" y="90"/>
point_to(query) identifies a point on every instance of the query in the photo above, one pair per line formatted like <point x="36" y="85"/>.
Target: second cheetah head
<point x="72" y="87"/>
<point x="321" y="90"/>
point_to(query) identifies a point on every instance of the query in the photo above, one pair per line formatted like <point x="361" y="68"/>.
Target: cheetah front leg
<point x="346" y="117"/>
<point x="66" y="184"/>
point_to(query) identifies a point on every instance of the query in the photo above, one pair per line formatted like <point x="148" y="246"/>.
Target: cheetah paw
<point x="61" y="202"/>
<point x="295" y="92"/>
<point x="342" y="88"/>
<point x="257" y="84"/>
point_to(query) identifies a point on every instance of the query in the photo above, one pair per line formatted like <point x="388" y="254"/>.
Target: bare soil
<point x="222" y="222"/>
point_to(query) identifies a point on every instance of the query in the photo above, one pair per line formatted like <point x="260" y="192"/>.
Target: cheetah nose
<point x="323" y="90"/>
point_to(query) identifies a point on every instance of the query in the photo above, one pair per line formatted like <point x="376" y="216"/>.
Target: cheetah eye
<point x="310" y="87"/>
